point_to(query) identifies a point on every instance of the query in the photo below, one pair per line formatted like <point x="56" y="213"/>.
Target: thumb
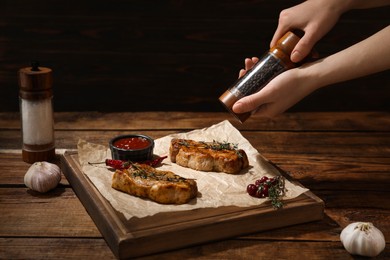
<point x="248" y="103"/>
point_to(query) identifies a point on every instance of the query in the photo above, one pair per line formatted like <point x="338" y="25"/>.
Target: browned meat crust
<point x="212" y="156"/>
<point x="163" y="187"/>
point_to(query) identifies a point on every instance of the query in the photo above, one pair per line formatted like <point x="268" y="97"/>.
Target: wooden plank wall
<point x="128" y="55"/>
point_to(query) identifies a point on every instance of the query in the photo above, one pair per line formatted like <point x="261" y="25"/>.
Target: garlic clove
<point x="42" y="176"/>
<point x="363" y="238"/>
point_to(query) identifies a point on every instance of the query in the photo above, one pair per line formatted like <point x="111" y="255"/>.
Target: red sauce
<point x="132" y="143"/>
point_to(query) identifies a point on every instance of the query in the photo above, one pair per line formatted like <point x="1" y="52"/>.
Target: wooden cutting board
<point x="167" y="231"/>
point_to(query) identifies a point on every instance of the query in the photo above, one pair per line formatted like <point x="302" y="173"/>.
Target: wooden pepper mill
<point x="35" y="99"/>
<point x="274" y="62"/>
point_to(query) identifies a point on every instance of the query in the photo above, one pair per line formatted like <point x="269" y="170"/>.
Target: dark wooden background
<point x="127" y="55"/>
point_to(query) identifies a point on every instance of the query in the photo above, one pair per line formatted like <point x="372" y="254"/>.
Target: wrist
<point x="310" y="74"/>
<point x="339" y="6"/>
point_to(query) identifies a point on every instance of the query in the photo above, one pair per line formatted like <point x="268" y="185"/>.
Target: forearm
<point x="363" y="4"/>
<point x="342" y="6"/>
<point x="369" y="56"/>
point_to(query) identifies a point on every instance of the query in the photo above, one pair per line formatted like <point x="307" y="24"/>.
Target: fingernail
<point x="237" y="107"/>
<point x="295" y="56"/>
<point x="241" y="73"/>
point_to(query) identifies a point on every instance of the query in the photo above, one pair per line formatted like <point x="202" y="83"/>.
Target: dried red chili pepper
<point x="119" y="164"/>
<point x="155" y="161"/>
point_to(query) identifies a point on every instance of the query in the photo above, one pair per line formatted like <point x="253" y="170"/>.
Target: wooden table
<point x="343" y="158"/>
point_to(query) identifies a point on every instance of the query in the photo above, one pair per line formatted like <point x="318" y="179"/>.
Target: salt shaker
<point x="35" y="99"/>
<point x="274" y="62"/>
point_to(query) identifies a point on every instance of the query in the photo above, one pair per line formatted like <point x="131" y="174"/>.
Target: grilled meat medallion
<point x="208" y="156"/>
<point x="163" y="187"/>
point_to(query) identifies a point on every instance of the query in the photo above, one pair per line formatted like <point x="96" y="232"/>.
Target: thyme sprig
<point x="272" y="188"/>
<point x="219" y="146"/>
<point x="144" y="174"/>
<point x="215" y="145"/>
<point x="276" y="192"/>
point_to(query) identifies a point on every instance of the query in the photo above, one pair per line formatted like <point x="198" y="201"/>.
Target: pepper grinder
<point x="35" y="99"/>
<point x="274" y="62"/>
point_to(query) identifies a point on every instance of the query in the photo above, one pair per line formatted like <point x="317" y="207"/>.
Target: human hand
<point x="314" y="17"/>
<point x="278" y="95"/>
<point x="249" y="63"/>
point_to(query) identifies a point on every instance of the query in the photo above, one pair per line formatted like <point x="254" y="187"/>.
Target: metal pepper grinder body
<point x="35" y="99"/>
<point x="274" y="62"/>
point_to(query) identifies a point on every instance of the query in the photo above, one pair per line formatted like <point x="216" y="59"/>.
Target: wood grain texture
<point x="164" y="55"/>
<point x="31" y="214"/>
<point x="375" y="121"/>
<point x="344" y="159"/>
<point x="54" y="248"/>
<point x="142" y="236"/>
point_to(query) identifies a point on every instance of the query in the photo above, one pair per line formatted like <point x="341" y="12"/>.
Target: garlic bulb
<point x="42" y="176"/>
<point x="363" y="238"/>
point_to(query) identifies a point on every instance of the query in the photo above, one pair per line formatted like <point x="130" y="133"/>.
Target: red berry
<point x="258" y="182"/>
<point x="265" y="191"/>
<point x="260" y="194"/>
<point x="261" y="187"/>
<point x="251" y="189"/>
<point x="264" y="179"/>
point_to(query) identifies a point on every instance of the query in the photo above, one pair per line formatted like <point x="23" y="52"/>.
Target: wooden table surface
<point x="343" y="158"/>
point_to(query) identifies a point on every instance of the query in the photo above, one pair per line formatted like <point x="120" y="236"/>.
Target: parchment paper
<point x="216" y="189"/>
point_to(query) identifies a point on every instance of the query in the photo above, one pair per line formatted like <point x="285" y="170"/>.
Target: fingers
<point x="249" y="104"/>
<point x="246" y="104"/>
<point x="280" y="31"/>
<point x="284" y="25"/>
<point x="255" y="60"/>
<point x="241" y="73"/>
<point x="249" y="63"/>
<point x="303" y="48"/>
